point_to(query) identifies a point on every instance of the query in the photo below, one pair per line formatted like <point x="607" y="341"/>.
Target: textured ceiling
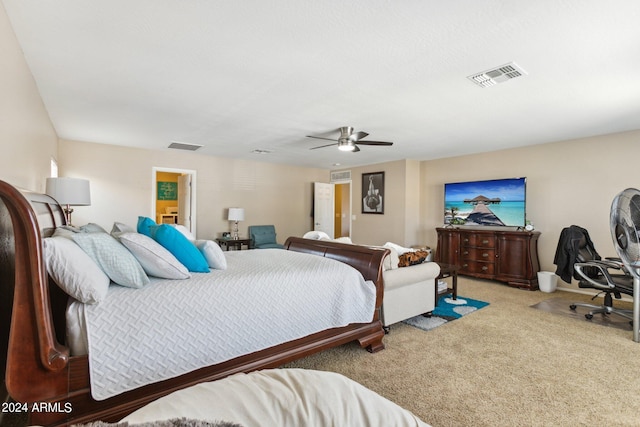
<point x="246" y="75"/>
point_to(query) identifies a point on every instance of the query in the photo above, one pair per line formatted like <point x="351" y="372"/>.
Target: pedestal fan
<point x="625" y="230"/>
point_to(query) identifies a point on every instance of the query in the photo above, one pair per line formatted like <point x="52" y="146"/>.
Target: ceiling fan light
<point x="346" y="146"/>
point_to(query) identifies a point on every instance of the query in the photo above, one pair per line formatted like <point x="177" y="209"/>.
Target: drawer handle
<point x="485" y="268"/>
<point x="466" y="240"/>
<point x="465" y="253"/>
<point x="485" y="242"/>
<point x="465" y="265"/>
<point x="485" y="255"/>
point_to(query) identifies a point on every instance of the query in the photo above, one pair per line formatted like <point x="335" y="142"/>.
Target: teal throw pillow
<point x="180" y="247"/>
<point x="145" y="224"/>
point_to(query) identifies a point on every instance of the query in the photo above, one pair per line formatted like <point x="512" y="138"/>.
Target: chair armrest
<point x="603" y="267"/>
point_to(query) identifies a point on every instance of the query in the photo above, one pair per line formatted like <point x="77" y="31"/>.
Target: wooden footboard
<point x="40" y="375"/>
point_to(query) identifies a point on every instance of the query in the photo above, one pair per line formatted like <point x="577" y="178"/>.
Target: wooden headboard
<point x="26" y="217"/>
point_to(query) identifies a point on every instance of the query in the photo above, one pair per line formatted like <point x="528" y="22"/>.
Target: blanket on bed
<point x="264" y="298"/>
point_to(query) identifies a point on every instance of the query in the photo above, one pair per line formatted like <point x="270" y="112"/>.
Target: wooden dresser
<point x="508" y="256"/>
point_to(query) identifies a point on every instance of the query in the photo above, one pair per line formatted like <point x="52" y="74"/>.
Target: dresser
<point x="508" y="256"/>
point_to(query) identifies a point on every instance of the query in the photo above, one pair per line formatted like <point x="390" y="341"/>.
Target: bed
<point x="38" y="365"/>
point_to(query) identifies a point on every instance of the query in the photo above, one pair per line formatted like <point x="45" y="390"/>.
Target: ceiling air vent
<point x="184" y="146"/>
<point x="497" y="75"/>
<point x="340" y="176"/>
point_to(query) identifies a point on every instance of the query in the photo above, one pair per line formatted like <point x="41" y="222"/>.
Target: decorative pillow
<point x="212" y="253"/>
<point x="119" y="228"/>
<point x="180" y="247"/>
<point x="92" y="228"/>
<point x="74" y="271"/>
<point x="412" y="258"/>
<point x="145" y="224"/>
<point x="185" y="231"/>
<point x="114" y="259"/>
<point x="155" y="260"/>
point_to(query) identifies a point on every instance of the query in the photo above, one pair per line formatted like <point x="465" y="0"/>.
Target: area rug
<point x="561" y="305"/>
<point x="446" y="310"/>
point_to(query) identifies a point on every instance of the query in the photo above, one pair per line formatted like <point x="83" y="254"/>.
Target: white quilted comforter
<point x="264" y="298"/>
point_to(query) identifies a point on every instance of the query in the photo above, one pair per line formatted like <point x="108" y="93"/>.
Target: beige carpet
<point x="506" y="365"/>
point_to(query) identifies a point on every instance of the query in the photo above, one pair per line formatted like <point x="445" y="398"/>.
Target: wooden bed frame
<point x="38" y="367"/>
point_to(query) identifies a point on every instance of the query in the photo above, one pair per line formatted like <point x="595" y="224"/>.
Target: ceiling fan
<point x="349" y="140"/>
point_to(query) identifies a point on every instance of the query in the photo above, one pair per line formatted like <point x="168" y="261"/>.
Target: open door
<point x="323" y="208"/>
<point x="184" y="195"/>
<point x="184" y="201"/>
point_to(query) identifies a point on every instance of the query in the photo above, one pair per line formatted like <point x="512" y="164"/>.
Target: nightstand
<point x="236" y="244"/>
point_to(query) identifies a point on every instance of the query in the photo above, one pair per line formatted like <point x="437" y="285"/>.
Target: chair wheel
<point x="589" y="316"/>
<point x="572" y="307"/>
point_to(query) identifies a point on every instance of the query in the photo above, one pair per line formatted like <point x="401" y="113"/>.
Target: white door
<point x="184" y="201"/>
<point x="323" y="208"/>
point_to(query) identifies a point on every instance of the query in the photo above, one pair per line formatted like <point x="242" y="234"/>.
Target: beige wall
<point x="121" y="187"/>
<point x="570" y="182"/>
<point x="27" y="138"/>
<point x="400" y="221"/>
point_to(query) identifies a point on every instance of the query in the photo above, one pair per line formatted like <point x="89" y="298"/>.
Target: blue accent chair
<point x="264" y="237"/>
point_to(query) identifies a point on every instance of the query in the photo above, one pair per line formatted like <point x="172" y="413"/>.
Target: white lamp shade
<point x="236" y="214"/>
<point x="69" y="191"/>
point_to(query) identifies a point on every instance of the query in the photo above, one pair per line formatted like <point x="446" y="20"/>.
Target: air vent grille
<point x="184" y="146"/>
<point x="497" y="75"/>
<point x="340" y="176"/>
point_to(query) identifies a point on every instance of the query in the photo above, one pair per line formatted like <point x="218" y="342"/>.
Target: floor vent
<point x="497" y="75"/>
<point x="184" y="146"/>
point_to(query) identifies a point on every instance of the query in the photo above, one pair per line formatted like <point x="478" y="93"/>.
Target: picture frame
<point x="167" y="190"/>
<point x="373" y="193"/>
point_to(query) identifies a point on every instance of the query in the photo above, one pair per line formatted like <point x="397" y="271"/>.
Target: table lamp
<point x="235" y="215"/>
<point x="69" y="192"/>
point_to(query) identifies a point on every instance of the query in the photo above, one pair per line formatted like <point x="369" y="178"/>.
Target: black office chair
<point x="576" y="257"/>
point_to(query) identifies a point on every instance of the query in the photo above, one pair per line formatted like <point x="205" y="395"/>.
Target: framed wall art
<point x="373" y="193"/>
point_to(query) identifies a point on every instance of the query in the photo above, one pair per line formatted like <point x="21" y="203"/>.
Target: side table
<point x="236" y="244"/>
<point x="448" y="270"/>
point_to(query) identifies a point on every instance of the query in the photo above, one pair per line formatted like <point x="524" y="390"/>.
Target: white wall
<point x="569" y="182"/>
<point x="121" y="187"/>
<point x="28" y="140"/>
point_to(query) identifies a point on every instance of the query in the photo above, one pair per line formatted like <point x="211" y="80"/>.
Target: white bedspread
<point x="264" y="298"/>
<point x="283" y="398"/>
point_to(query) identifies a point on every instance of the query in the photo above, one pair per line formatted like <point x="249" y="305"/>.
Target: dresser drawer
<point x="479" y="240"/>
<point x="477" y="267"/>
<point x="478" y="254"/>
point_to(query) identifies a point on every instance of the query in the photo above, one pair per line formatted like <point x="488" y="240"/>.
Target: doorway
<point x="332" y="208"/>
<point x="174" y="197"/>
<point x="342" y="224"/>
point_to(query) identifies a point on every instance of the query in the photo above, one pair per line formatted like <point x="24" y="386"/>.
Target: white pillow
<point x="185" y="231"/>
<point x="316" y="235"/>
<point x="155" y="260"/>
<point x="113" y="258"/>
<point x="119" y="228"/>
<point x="392" y="260"/>
<point x="74" y="271"/>
<point x="212" y="253"/>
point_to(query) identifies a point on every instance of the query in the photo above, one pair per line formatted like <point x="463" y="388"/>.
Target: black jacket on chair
<point x="567" y="250"/>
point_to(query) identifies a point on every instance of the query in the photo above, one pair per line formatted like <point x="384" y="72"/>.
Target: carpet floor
<point x="506" y="365"/>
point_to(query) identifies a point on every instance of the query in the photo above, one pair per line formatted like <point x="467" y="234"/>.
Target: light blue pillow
<point x="145" y="224"/>
<point x="181" y="248"/>
<point x="113" y="258"/>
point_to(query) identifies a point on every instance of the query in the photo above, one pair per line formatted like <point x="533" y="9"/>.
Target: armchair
<point x="264" y="237"/>
<point x="577" y="257"/>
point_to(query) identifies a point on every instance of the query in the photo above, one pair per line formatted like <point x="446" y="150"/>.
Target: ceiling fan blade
<point x="355" y="149"/>
<point x="374" y="143"/>
<point x="320" y="137"/>
<point x="322" y="146"/>
<point x="359" y="135"/>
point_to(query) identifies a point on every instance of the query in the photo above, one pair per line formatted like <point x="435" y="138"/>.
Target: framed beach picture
<point x="373" y="193"/>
